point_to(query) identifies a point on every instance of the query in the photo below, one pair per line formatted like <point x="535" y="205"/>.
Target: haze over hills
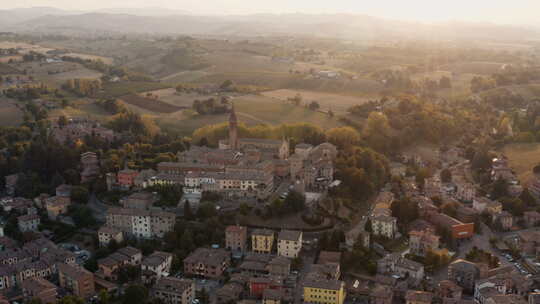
<point x="163" y="21"/>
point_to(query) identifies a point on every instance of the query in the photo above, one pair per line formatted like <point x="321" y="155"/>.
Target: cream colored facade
<point x="262" y="241"/>
<point x="107" y="234"/>
<point x="289" y="243"/>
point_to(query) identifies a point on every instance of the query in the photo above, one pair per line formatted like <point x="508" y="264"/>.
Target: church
<point x="268" y="148"/>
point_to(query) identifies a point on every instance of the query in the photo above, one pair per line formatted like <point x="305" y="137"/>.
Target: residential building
<point x="77" y="280"/>
<point x="433" y="186"/>
<point x="465" y="191"/>
<point x="463" y="273"/>
<point x="448" y="289"/>
<point x="29" y="222"/>
<point x="107" y="234"/>
<point x="231" y="292"/>
<point x="90" y="166"/>
<point x="318" y="289"/>
<point x="385" y="226"/>
<point x="396" y="264"/>
<point x="484" y="204"/>
<point x="279" y="266"/>
<point x="289" y="243"/>
<point x="421" y="242"/>
<point x="380" y="295"/>
<point x="236" y="238"/>
<point x="506" y="299"/>
<point x="262" y="241"/>
<point x="39" y="288"/>
<point x="505" y="220"/>
<point x="418" y="297"/>
<point x="158" y="264"/>
<point x="57" y="205"/>
<point x="272" y="296"/>
<point x="173" y="291"/>
<point x="141" y="223"/>
<point x="531" y="218"/>
<point x="257" y="285"/>
<point x="126" y="178"/>
<point x="466" y="214"/>
<point x="210" y="263"/>
<point x="139" y="200"/>
<point x="134" y="255"/>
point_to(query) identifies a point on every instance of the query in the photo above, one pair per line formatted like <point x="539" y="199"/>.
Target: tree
<point x="405" y="210"/>
<point x="295" y="201"/>
<point x="104" y="297"/>
<point x="135" y="294"/>
<point x="226" y="85"/>
<point x="71" y="300"/>
<point x="527" y="198"/>
<point x="79" y="194"/>
<point x="446" y="175"/>
<point x="314" y="106"/>
<point x="367" y="226"/>
<point x="500" y="189"/>
<point x="62" y="121"/>
<point x="377" y="131"/>
<point x="187" y="210"/>
<point x="343" y="137"/>
<point x="445" y="82"/>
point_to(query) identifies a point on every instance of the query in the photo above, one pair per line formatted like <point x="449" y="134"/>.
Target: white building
<point x="159" y="263"/>
<point x="289" y="243"/>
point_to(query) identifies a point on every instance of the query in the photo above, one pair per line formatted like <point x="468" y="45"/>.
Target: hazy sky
<point x="499" y="11"/>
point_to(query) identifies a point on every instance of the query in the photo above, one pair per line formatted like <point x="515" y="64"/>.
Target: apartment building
<point x="236" y="238"/>
<point x="77" y="280"/>
<point x="173" y="291"/>
<point x="289" y="243"/>
<point x="158" y="264"/>
<point x="41" y="289"/>
<point x="29" y="222"/>
<point x="210" y="263"/>
<point x="141" y="223"/>
<point x="108" y="234"/>
<point x="385" y="226"/>
<point x="262" y="241"/>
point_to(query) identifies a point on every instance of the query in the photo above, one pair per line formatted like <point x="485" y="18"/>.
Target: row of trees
<point x="83" y="87"/>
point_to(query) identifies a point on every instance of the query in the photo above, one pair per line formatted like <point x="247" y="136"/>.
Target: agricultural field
<point x="6" y="59"/>
<point x="10" y="114"/>
<point x="82" y="107"/>
<point x="171" y="97"/>
<point x="461" y="82"/>
<point x="117" y="89"/>
<point x="251" y="110"/>
<point x="106" y="60"/>
<point x="8" y="70"/>
<point x="527" y="91"/>
<point x="150" y="104"/>
<point x="522" y="157"/>
<point x="338" y="103"/>
<point x="25" y="47"/>
<point x="475" y="67"/>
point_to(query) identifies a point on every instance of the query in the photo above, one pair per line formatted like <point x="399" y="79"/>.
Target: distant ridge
<point x="178" y="22"/>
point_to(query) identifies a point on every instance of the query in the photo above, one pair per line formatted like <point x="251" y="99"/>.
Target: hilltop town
<point x="149" y="165"/>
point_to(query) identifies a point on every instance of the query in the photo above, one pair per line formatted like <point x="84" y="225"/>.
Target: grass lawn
<point x="522" y="158"/>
